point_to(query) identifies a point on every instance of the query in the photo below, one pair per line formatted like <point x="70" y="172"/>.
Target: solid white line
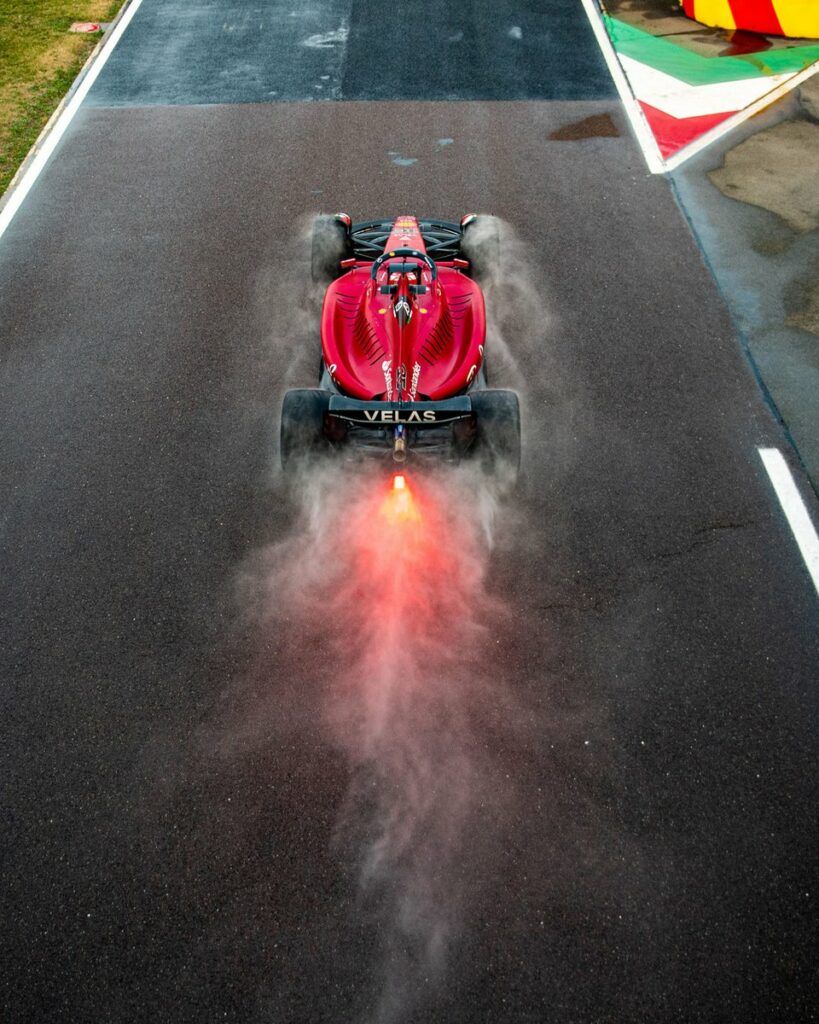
<point x="794" y="508"/>
<point x="24" y="185"/>
<point x="635" y="114"/>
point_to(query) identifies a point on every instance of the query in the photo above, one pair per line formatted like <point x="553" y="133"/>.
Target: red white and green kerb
<point x="687" y="100"/>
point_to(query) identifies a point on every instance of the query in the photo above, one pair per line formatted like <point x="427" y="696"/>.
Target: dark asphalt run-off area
<point x="171" y="791"/>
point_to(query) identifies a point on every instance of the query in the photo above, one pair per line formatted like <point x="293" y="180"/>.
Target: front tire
<point x="330" y="244"/>
<point x="480" y="244"/>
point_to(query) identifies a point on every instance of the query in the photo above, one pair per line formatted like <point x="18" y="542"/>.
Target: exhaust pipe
<point x="399" y="449"/>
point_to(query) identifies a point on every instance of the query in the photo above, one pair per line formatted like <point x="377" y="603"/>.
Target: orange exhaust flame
<point x="400" y="506"/>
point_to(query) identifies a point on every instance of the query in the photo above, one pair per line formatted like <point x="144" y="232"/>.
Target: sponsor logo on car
<point x="424" y="414"/>
<point x="386" y="366"/>
<point x="399" y="416"/>
<point x="416" y="373"/>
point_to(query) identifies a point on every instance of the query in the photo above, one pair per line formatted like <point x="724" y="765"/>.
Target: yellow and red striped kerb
<point x="798" y="18"/>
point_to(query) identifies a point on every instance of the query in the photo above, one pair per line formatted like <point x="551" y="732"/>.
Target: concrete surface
<point x="775" y="170"/>
<point x="751" y="200"/>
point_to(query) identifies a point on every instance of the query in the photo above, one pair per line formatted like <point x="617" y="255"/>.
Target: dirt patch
<point x="596" y="126"/>
<point x="659" y="17"/>
<point x="776" y="170"/>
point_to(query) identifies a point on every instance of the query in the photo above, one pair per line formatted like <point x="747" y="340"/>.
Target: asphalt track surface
<point x="657" y="862"/>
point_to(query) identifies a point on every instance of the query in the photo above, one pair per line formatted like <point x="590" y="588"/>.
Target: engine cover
<point x="408" y="334"/>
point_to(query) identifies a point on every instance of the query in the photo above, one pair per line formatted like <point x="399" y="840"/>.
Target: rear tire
<point x="302" y="426"/>
<point x="480" y="244"/>
<point x="330" y="243"/>
<point x="497" y="434"/>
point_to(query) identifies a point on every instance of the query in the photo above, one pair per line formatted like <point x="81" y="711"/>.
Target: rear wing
<point x="416" y="414"/>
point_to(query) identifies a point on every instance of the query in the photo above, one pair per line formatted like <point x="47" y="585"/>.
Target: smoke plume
<point x="392" y="590"/>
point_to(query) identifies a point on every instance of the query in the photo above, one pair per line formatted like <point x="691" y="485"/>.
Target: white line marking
<point x="24" y="185"/>
<point x="794" y="508"/>
<point x="635" y="114"/>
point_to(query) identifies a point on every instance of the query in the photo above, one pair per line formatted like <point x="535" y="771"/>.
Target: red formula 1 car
<point x="403" y="333"/>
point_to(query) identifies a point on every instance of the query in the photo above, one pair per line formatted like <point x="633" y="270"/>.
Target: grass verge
<point x="39" y="59"/>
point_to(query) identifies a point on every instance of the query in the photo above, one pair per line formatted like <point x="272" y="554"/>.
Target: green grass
<point x="39" y="59"/>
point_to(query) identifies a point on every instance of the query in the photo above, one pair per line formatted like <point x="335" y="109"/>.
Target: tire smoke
<point x="395" y="601"/>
